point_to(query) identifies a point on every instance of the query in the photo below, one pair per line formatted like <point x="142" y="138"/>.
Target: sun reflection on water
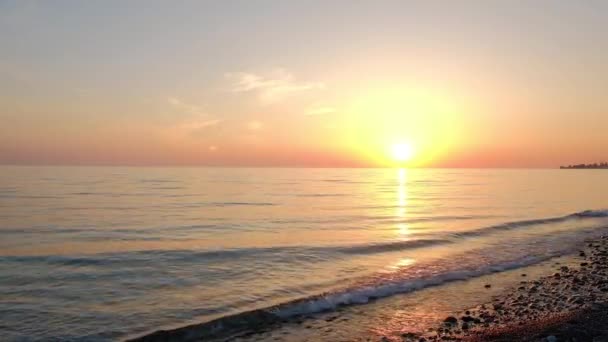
<point x="400" y="211"/>
<point x="401" y="263"/>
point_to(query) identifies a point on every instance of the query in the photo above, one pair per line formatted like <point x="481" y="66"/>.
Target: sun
<point x="402" y="152"/>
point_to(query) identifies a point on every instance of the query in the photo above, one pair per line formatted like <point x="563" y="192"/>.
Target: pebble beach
<point x="570" y="305"/>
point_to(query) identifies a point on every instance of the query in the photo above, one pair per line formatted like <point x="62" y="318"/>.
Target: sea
<point x="111" y="253"/>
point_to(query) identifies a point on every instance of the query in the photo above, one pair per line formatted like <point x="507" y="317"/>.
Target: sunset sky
<point x="306" y="83"/>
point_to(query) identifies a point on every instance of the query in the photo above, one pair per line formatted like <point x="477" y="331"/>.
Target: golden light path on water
<point x="402" y="230"/>
<point x="401" y="203"/>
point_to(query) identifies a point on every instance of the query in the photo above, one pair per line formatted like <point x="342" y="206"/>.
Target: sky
<point x="303" y="83"/>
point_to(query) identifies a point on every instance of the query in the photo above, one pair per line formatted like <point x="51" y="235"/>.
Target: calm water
<point x="104" y="253"/>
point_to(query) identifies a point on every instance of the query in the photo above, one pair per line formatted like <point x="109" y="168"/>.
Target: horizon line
<point x="272" y="166"/>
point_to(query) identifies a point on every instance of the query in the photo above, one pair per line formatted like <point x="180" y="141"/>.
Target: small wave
<point x="344" y="181"/>
<point x="35" y="196"/>
<point x="40" y="230"/>
<point x="230" y="204"/>
<point x="152" y="180"/>
<point x="321" y="195"/>
<point x="390" y="246"/>
<point x="527" y="223"/>
<point x="110" y="259"/>
<point x="592" y="213"/>
<point x="91" y="193"/>
<point x="166" y="188"/>
<point x="445" y="218"/>
<point x="311" y="254"/>
<point x="90" y="208"/>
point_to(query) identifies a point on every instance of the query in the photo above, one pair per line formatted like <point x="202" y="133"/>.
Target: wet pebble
<point x="450" y="320"/>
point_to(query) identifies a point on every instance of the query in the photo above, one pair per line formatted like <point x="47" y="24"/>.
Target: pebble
<point x="451" y="320"/>
<point x="409" y="335"/>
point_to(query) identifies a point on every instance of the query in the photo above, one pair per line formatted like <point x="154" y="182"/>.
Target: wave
<point x="130" y="258"/>
<point x="322" y="195"/>
<point x="331" y="301"/>
<point x="591" y="213"/>
<point x="456" y="237"/>
<point x="158" y="180"/>
<point x="223" y="204"/>
<point x="261" y="319"/>
<point x="587" y="214"/>
<point x="390" y="246"/>
<point x="194" y="256"/>
<point x="229" y="204"/>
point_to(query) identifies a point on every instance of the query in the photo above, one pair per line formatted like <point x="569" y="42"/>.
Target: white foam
<point x="363" y="295"/>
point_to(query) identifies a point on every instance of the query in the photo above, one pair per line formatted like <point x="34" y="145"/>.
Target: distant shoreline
<point x="586" y="166"/>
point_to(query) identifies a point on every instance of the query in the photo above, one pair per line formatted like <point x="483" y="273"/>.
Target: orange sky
<point x="473" y="84"/>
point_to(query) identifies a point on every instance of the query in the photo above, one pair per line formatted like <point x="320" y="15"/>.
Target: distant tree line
<point x="603" y="165"/>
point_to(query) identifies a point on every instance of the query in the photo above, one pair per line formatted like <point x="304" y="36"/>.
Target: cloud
<point x="186" y="107"/>
<point x="195" y="122"/>
<point x="212" y="148"/>
<point x="320" y="111"/>
<point x="200" y="124"/>
<point x="274" y="88"/>
<point x="193" y="128"/>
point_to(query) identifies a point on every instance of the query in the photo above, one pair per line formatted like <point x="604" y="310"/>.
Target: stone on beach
<point x="450" y="320"/>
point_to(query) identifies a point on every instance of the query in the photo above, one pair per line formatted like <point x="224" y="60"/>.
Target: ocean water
<point x="105" y="253"/>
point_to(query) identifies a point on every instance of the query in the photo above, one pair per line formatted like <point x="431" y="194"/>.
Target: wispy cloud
<point x="275" y="87"/>
<point x="186" y="107"/>
<point x="200" y="124"/>
<point x="196" y="128"/>
<point x="197" y="119"/>
<point x="320" y="111"/>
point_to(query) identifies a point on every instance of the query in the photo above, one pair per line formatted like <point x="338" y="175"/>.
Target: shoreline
<point x="570" y="305"/>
